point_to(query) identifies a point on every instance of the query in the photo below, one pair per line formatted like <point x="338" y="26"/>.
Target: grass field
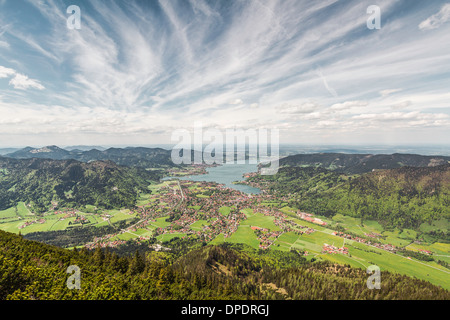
<point x="286" y="241"/>
<point x="169" y="236"/>
<point x="125" y="236"/>
<point x="143" y="232"/>
<point x="443" y="224"/>
<point x="441" y="251"/>
<point x="198" y="225"/>
<point x="19" y="211"/>
<point x="247" y="212"/>
<point x="12" y="218"/>
<point x="243" y="234"/>
<point x="262" y="221"/>
<point x="225" y="210"/>
<point x="353" y="225"/>
<point x="8" y="213"/>
<point x="161" y="222"/>
<point x="362" y="255"/>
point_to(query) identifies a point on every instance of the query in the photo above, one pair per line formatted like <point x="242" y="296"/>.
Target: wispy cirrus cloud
<point x="436" y="20"/>
<point x="303" y="65"/>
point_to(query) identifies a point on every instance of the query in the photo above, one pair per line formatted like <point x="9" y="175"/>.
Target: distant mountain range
<point x="135" y="157"/>
<point x="4" y="151"/>
<point x="362" y="163"/>
<point x="84" y="148"/>
<point x="349" y="163"/>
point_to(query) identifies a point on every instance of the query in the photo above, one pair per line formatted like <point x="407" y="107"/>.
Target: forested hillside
<point x="135" y="157"/>
<point x="33" y="270"/>
<point x="404" y="197"/>
<point x="362" y="163"/>
<point x="43" y="183"/>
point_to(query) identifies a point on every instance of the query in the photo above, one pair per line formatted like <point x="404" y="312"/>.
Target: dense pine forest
<point x="33" y="270"/>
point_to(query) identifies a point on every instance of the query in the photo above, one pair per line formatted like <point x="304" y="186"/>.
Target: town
<point x="185" y="203"/>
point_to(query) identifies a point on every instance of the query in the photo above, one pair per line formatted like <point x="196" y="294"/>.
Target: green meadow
<point x="13" y="218"/>
<point x="161" y="222"/>
<point x="169" y="236"/>
<point x="262" y="221"/>
<point x="198" y="225"/>
<point x="362" y="255"/>
<point x="225" y="210"/>
<point x="243" y="234"/>
<point x="20" y="211"/>
<point x="8" y="213"/>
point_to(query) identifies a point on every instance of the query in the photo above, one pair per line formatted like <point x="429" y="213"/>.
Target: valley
<point x="173" y="215"/>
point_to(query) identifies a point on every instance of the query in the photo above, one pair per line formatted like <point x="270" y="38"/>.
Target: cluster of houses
<point x="104" y="244"/>
<point x="266" y="237"/>
<point x="68" y="213"/>
<point x="373" y="235"/>
<point x="29" y="223"/>
<point x="330" y="249"/>
<point x="310" y="217"/>
<point x="81" y="219"/>
<point x="384" y="246"/>
<point x="427" y="252"/>
<point x="158" y="247"/>
<point x="194" y="169"/>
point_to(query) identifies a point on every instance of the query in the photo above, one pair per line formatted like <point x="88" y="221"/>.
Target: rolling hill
<point x="136" y="157"/>
<point x="43" y="183"/>
<point x="362" y="163"/>
<point x="403" y="197"/>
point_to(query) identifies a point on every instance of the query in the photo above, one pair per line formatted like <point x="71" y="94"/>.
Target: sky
<point x="136" y="71"/>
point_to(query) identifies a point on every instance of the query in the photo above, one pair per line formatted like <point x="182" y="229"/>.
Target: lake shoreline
<point x="226" y="174"/>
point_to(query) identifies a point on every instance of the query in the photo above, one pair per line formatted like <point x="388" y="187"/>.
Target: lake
<point x="225" y="174"/>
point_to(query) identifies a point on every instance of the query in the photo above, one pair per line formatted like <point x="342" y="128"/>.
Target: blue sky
<point x="138" y="70"/>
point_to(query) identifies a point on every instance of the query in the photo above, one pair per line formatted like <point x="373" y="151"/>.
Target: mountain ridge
<point x="362" y="163"/>
<point x="135" y="156"/>
<point x="44" y="182"/>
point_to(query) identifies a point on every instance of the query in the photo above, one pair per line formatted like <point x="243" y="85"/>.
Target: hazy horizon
<point x="289" y="149"/>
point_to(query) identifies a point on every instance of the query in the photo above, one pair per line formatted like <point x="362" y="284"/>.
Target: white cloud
<point x="436" y="20"/>
<point x="387" y="92"/>
<point x="210" y="65"/>
<point x="331" y="90"/>
<point x="236" y="102"/>
<point x="348" y="105"/>
<point x="401" y="105"/>
<point x="6" y="72"/>
<point x="407" y="118"/>
<point x="302" y="108"/>
<point x="20" y="81"/>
